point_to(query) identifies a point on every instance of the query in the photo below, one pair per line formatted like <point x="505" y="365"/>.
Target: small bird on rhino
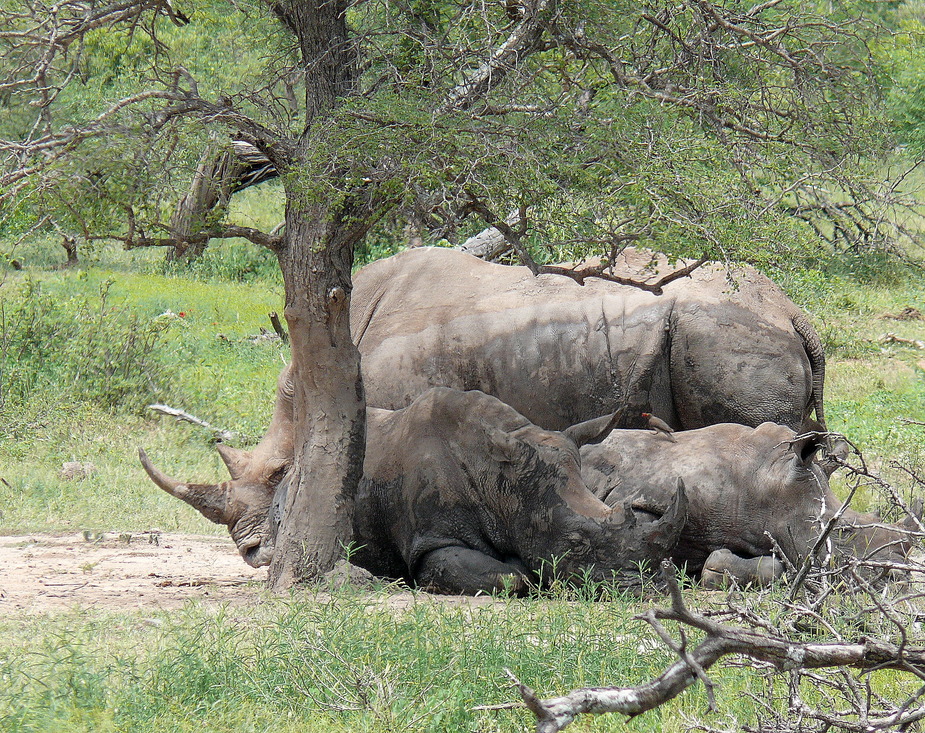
<point x="659" y="427"/>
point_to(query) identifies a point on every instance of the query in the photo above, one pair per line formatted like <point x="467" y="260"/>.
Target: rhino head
<point x="244" y="503"/>
<point x="855" y="534"/>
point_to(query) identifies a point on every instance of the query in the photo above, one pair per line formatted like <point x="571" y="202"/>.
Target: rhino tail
<point x="813" y="347"/>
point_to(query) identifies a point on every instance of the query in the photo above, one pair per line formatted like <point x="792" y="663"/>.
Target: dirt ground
<point x="150" y="571"/>
<point x="146" y="571"/>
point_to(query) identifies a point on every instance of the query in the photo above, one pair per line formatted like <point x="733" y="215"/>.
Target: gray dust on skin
<point x="742" y="485"/>
<point x="705" y="351"/>
<point x="484" y="501"/>
<point x="519" y="509"/>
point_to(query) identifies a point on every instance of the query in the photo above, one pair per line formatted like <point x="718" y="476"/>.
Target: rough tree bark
<point x="315" y="258"/>
<point x="328" y="401"/>
<point x="215" y="179"/>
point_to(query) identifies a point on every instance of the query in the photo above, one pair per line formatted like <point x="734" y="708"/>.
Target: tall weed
<point x="79" y="346"/>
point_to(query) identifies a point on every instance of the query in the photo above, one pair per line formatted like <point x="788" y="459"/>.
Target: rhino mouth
<point x="256" y="553"/>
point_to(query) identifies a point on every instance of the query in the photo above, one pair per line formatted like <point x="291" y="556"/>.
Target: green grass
<point x="351" y="662"/>
<point x="205" y="365"/>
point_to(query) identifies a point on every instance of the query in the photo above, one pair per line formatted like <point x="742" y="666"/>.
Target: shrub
<point x="232" y="261"/>
<point x="81" y="344"/>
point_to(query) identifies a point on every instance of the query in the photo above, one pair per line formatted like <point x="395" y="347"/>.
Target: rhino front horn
<point x="211" y="500"/>
<point x="668" y="527"/>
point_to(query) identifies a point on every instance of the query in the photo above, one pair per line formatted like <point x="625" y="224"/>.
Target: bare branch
<point x="555" y="714"/>
<point x="604" y="271"/>
<point x="520" y="43"/>
<point x="219" y="434"/>
<point x="229" y="231"/>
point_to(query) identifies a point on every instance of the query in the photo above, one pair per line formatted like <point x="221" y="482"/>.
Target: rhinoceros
<point x="751" y="492"/>
<point x="460" y="494"/>
<point x="720" y="346"/>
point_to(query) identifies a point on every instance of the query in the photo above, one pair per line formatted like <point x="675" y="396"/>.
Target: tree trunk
<point x="215" y="177"/>
<point x="329" y="420"/>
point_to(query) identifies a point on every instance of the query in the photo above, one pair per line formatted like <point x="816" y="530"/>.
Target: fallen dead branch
<point x="906" y="314"/>
<point x="892" y="338"/>
<point x="783" y="654"/>
<point x="219" y="434"/>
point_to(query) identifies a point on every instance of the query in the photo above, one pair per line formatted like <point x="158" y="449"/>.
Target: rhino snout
<point x="257" y="553"/>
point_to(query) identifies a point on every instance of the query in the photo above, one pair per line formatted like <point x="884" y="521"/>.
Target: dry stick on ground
<point x="555" y="714"/>
<point x="219" y="434"/>
<point x="278" y="327"/>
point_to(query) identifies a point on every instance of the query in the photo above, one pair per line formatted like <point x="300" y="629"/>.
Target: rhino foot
<point x="463" y="571"/>
<point x="723" y="567"/>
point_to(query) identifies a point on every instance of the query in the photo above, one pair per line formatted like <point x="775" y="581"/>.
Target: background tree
<point x="717" y="129"/>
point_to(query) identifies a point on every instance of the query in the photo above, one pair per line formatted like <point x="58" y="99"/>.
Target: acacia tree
<point x="607" y="121"/>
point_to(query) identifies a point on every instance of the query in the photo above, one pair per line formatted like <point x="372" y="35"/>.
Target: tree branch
<point x="603" y="271"/>
<point x="519" y="44"/>
<point x="555" y="714"/>
<point x="219" y="434"/>
<point x="270" y="241"/>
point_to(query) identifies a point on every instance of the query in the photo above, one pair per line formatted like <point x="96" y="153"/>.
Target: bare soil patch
<point x="148" y="571"/>
<point x="144" y="571"/>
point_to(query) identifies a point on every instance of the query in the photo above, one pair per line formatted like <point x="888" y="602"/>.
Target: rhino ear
<point x="593" y="431"/>
<point x="502" y="447"/>
<point x="805" y="447"/>
<point x="811" y="426"/>
<point x="236" y="460"/>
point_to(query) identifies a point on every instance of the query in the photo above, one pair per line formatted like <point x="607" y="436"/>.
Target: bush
<point x="96" y="352"/>
<point x="233" y="261"/>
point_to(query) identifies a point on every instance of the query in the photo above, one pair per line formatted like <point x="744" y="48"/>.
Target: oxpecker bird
<point x="659" y="427"/>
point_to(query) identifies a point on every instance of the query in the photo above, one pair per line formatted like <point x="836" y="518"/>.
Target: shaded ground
<point x="41" y="572"/>
<point x="146" y="571"/>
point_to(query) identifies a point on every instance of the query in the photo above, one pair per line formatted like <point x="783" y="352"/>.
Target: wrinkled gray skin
<point x="747" y="489"/>
<point x="719" y="346"/>
<point x="460" y="494"/>
<point x="723" y="567"/>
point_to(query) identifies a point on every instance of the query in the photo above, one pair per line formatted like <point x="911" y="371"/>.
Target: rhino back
<point x="556" y="351"/>
<point x="719" y="346"/>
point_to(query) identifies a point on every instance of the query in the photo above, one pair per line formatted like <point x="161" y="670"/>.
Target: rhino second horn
<point x="210" y="500"/>
<point x="671" y="523"/>
<point x="235" y="459"/>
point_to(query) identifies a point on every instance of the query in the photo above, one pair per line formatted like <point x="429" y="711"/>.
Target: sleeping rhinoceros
<point x="460" y="494"/>
<point x="719" y="346"/>
<point x="749" y="489"/>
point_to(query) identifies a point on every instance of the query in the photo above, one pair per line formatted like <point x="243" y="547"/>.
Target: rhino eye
<point x="277" y="476"/>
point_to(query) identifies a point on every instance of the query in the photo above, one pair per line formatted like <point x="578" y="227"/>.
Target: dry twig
<point x="555" y="714"/>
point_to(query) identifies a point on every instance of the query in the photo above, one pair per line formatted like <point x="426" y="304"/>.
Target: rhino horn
<point x="661" y="536"/>
<point x="235" y="459"/>
<point x="913" y="521"/>
<point x="211" y="500"/>
<point x="668" y="528"/>
<point x="593" y="431"/>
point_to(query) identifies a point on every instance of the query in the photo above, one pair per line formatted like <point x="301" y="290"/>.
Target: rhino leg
<point x="723" y="566"/>
<point x="463" y="571"/>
